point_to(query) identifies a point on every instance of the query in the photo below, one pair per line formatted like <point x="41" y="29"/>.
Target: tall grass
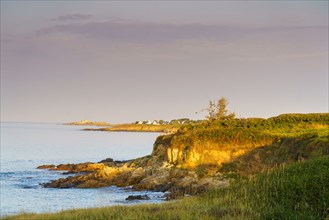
<point x="296" y="191"/>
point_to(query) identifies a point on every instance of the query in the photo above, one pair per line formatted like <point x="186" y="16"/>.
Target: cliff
<point x="268" y="142"/>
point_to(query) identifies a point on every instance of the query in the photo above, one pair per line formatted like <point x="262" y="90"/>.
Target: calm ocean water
<point x="24" y="146"/>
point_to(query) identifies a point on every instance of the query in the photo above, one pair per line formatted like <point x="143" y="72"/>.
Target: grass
<point x="296" y="191"/>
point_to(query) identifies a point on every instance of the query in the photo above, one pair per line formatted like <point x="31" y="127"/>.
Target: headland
<point x="249" y="168"/>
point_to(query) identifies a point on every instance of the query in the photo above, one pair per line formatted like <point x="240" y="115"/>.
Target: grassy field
<point x="296" y="191"/>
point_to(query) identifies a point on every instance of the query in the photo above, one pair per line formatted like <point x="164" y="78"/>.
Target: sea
<point x="24" y="146"/>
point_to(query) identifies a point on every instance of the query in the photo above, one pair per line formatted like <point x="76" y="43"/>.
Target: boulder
<point x="138" y="197"/>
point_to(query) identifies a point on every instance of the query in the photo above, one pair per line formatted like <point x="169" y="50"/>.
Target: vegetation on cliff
<point x="247" y="142"/>
<point x="296" y="191"/>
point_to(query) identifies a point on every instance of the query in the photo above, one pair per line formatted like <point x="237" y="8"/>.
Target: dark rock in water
<point x="163" y="187"/>
<point x="67" y="185"/>
<point x="69" y="172"/>
<point x="76" y="172"/>
<point x="138" y="197"/>
<point x="59" y="184"/>
<point x="51" y="166"/>
<point x="107" y="160"/>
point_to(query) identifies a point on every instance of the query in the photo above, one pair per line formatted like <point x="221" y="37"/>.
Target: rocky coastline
<point x="199" y="157"/>
<point x="153" y="172"/>
<point x="140" y="174"/>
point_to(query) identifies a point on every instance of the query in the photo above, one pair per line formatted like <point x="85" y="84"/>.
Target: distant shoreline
<point x="137" y="128"/>
<point x="89" y="123"/>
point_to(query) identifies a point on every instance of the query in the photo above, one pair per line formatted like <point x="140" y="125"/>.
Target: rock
<point x="74" y="168"/>
<point x="157" y="178"/>
<point x="136" y="176"/>
<point x="186" y="182"/>
<point x="138" y="197"/>
<point x="163" y="187"/>
<point x="69" y="172"/>
<point x="92" y="183"/>
<point x="107" y="172"/>
<point x="66" y="185"/>
<point x="51" y="166"/>
<point x="107" y="160"/>
<point x="145" y="173"/>
<point x="64" y="167"/>
<point x="80" y="167"/>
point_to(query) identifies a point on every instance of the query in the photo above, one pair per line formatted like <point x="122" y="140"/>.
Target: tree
<point x="218" y="111"/>
<point x="211" y="111"/>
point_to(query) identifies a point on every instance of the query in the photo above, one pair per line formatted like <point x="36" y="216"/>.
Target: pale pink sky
<point x="137" y="60"/>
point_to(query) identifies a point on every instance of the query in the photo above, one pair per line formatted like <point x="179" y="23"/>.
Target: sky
<point x="122" y="61"/>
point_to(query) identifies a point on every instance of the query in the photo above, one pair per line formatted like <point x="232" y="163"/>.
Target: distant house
<point x="152" y="122"/>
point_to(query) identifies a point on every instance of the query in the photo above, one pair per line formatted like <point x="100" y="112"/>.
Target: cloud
<point x="72" y="17"/>
<point x="139" y="32"/>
